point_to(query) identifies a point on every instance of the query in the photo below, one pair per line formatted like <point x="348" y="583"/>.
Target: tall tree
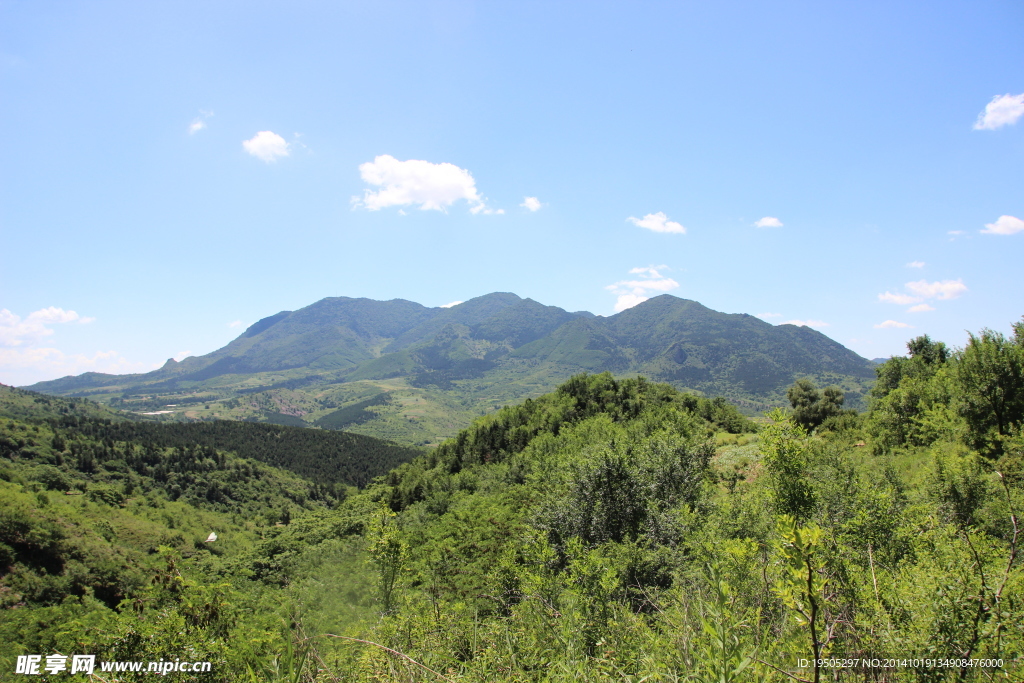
<point x="990" y="376"/>
<point x="811" y="407"/>
<point x="906" y="389"/>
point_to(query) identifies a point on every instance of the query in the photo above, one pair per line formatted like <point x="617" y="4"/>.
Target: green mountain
<point x="405" y="372"/>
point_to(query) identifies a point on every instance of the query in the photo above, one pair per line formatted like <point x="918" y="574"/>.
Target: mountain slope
<point x="417" y="374"/>
<point x="681" y="340"/>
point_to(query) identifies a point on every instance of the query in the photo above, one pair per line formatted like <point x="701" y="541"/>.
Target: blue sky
<point x="171" y="173"/>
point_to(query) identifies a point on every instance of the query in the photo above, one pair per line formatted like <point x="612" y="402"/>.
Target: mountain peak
<point x="500" y="298"/>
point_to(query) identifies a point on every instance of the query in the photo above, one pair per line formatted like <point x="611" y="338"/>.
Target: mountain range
<point x="399" y="370"/>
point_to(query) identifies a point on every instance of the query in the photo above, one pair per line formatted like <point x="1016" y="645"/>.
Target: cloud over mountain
<point x="632" y="292"/>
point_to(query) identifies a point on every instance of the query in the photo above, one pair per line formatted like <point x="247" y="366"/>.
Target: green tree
<point x="931" y="353"/>
<point x="784" y="444"/>
<point x="811" y="407"/>
<point x="907" y="388"/>
<point x="990" y="378"/>
<point x="387" y="552"/>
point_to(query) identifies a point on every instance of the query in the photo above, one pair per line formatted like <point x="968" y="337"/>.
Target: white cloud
<point x="531" y="203"/>
<point x="199" y="122"/>
<point x="765" y="316"/>
<point x="27" y="366"/>
<point x="915" y="264"/>
<point x="629" y="293"/>
<point x="891" y="324"/>
<point x="24" y="361"/>
<point x="57" y="315"/>
<point x="648" y="271"/>
<point x="14" y="331"/>
<point x="182" y="355"/>
<point x="768" y="222"/>
<point x="625" y="301"/>
<point x="921" y="290"/>
<point x="454" y="303"/>
<point x="662" y="285"/>
<point x="235" y="323"/>
<point x="267" y="146"/>
<point x="417" y="182"/>
<point x="805" y="323"/>
<point x="1001" y="111"/>
<point x="658" y="222"/>
<point x="297" y="142"/>
<point x="955" y="232"/>
<point x="1005" y="225"/>
<point x="899" y="299"/>
<point x="946" y="289"/>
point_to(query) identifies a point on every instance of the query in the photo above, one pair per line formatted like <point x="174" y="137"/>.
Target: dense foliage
<point x="977" y="392"/>
<point x="95" y="533"/>
<point x="330" y="458"/>
<point x="324" y="456"/>
<point x="354" y="414"/>
<point x="610" y="530"/>
<point x="595" y="534"/>
<point x="812" y="407"/>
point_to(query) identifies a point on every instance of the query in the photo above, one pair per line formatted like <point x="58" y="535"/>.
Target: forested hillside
<point x="328" y="457"/>
<point x="610" y="530"/>
<point x="88" y="521"/>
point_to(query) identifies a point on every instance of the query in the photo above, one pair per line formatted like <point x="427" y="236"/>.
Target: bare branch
<point x="394" y="652"/>
<point x="784" y="673"/>
<point x="1013" y="542"/>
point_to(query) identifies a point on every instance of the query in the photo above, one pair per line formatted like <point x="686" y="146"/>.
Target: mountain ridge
<point x="463" y="360"/>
